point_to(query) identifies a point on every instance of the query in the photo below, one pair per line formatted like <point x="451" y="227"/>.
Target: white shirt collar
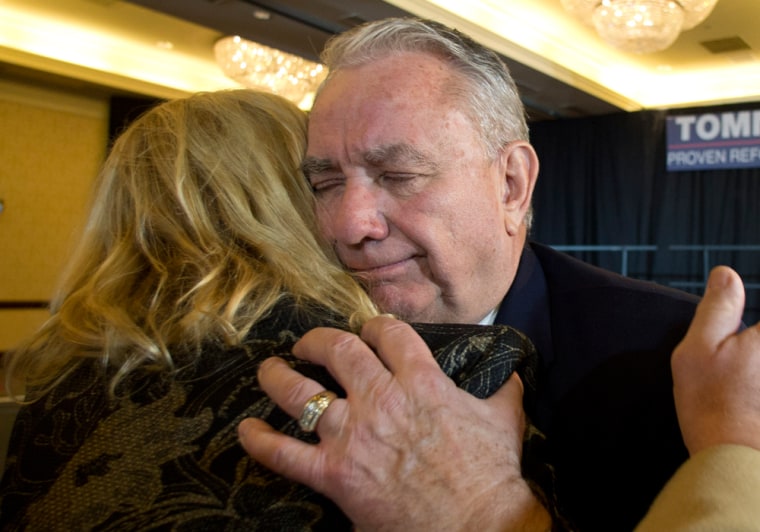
<point x="489" y="318"/>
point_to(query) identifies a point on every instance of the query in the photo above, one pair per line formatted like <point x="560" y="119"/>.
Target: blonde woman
<point x="198" y="261"/>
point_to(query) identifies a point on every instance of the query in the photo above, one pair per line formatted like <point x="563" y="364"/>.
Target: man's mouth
<point x="379" y="272"/>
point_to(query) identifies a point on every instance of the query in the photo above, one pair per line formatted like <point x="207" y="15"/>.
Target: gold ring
<point x="313" y="410"/>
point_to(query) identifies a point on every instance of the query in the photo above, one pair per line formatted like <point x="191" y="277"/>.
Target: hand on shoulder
<point x="716" y="370"/>
<point x="406" y="449"/>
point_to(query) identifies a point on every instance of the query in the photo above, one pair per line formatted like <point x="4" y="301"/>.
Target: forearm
<point x="716" y="489"/>
<point x="531" y="516"/>
<point x="513" y="507"/>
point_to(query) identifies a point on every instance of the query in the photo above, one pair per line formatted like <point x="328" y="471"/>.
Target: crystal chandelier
<point x="257" y="66"/>
<point x="641" y="26"/>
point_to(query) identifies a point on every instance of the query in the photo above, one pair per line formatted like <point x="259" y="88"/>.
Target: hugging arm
<point x="406" y="448"/>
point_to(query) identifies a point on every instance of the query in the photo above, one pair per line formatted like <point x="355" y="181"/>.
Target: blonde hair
<point x="201" y="222"/>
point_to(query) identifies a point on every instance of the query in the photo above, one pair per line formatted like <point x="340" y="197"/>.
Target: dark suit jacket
<point x="605" y="398"/>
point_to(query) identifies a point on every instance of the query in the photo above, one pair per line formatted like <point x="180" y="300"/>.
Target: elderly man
<point x="716" y="372"/>
<point x="423" y="173"/>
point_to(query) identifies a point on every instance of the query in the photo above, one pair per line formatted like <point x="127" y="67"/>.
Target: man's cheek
<point x="325" y="223"/>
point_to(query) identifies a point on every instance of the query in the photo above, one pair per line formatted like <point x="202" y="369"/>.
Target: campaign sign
<point x="710" y="141"/>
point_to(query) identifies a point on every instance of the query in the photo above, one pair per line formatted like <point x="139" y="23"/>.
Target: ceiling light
<point x="641" y="26"/>
<point x="260" y="14"/>
<point x="260" y="67"/>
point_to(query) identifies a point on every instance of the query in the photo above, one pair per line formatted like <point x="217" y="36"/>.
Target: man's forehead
<point x="407" y="81"/>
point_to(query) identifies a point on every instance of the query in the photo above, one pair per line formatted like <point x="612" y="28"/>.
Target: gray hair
<point x="487" y="91"/>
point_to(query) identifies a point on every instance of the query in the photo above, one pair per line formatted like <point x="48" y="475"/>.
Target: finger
<point x="349" y="360"/>
<point x="289" y="389"/>
<point x="719" y="314"/>
<point x="508" y="416"/>
<point x="511" y="392"/>
<point x="751" y="335"/>
<point x="508" y="400"/>
<point x="748" y="343"/>
<point x="282" y="454"/>
<point x="399" y="346"/>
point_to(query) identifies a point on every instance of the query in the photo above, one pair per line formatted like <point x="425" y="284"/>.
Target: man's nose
<point x="359" y="215"/>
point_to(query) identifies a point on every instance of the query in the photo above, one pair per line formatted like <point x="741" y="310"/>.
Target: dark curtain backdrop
<point x="603" y="182"/>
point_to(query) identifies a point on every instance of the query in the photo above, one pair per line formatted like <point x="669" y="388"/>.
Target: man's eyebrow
<point x="398" y="154"/>
<point x="313" y="166"/>
<point x="401" y="154"/>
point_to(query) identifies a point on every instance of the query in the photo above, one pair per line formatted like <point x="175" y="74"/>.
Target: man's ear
<point x="519" y="164"/>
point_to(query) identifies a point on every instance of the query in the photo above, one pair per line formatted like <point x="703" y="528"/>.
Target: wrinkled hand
<point x="406" y="449"/>
<point x="716" y="372"/>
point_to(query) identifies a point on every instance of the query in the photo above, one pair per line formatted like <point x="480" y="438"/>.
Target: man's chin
<point x="401" y="305"/>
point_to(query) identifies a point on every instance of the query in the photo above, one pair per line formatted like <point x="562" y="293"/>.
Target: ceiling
<point x="163" y="48"/>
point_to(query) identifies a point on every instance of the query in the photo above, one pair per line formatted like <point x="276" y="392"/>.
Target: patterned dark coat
<point x="166" y="455"/>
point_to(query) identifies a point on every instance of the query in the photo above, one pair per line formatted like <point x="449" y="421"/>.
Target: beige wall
<point x="51" y="146"/>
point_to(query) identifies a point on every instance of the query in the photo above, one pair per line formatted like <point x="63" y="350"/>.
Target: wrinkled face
<point x="406" y="193"/>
